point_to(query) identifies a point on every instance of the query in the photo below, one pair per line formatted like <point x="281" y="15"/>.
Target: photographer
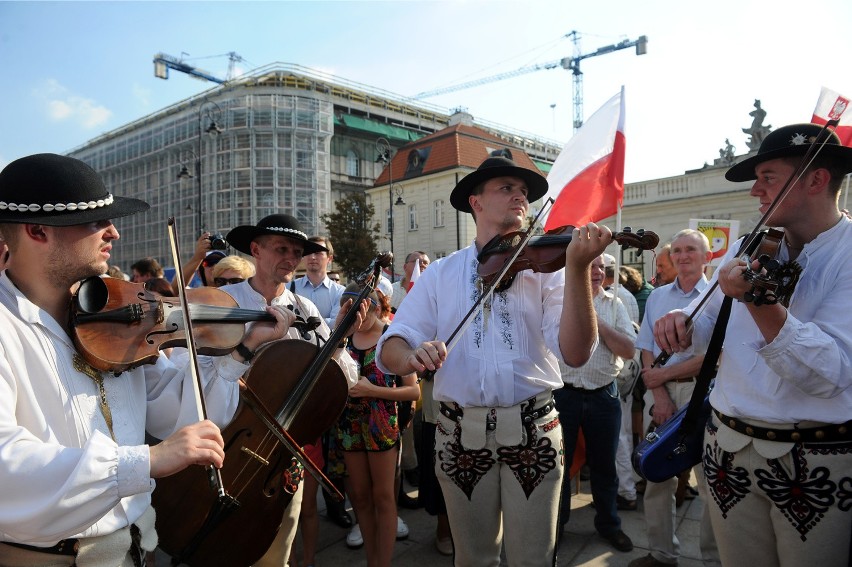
<point x="209" y="249"/>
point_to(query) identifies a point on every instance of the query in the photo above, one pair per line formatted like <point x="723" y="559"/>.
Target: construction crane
<point x="163" y="62"/>
<point x="568" y="63"/>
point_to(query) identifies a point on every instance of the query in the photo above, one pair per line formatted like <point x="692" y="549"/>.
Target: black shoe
<point x="619" y="541"/>
<point x="338" y="514"/>
<point x="623" y="503"/>
<point x="412" y="476"/>
<point x="406" y="501"/>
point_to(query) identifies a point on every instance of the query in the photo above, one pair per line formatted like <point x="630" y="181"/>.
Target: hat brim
<point x="744" y="171"/>
<point x="120" y="207"/>
<point x="535" y="182"/>
<point x="241" y="238"/>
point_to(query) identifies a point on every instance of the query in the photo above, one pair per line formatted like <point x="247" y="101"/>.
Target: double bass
<point x="290" y="388"/>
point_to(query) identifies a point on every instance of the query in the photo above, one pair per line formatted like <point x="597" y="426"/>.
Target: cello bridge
<point x="254" y="455"/>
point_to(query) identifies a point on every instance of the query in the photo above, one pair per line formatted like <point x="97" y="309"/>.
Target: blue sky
<point x="73" y="70"/>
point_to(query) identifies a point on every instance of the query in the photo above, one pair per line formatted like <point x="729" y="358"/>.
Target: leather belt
<point x="574" y="388"/>
<point x="455" y="412"/>
<point x="64" y="547"/>
<point x="824" y="434"/>
<point x="683" y="380"/>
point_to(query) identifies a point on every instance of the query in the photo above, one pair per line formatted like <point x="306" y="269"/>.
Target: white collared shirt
<point x="248" y="298"/>
<point x="805" y="374"/>
<point x="603" y="366"/>
<point x="501" y="359"/>
<point x="660" y="301"/>
<point x="61" y="473"/>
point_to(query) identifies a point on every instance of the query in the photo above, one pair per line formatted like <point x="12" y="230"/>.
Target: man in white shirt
<point x="498" y="435"/>
<point x="670" y="387"/>
<point x="778" y="449"/>
<point x="76" y="473"/>
<point x="277" y="244"/>
<point x="590" y="400"/>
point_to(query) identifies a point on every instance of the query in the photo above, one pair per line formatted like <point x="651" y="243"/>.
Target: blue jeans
<point x="599" y="414"/>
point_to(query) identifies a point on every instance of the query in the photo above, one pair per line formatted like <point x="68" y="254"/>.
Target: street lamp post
<point x="384" y="149"/>
<point x="212" y="112"/>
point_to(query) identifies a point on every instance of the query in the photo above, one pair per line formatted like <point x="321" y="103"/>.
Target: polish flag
<point x="831" y="106"/>
<point x="415" y="273"/>
<point x="587" y="179"/>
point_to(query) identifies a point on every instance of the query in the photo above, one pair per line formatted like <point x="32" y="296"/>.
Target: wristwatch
<point x="243" y="351"/>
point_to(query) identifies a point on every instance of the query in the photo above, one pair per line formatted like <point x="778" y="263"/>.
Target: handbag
<point x="665" y="451"/>
<point x="677" y="444"/>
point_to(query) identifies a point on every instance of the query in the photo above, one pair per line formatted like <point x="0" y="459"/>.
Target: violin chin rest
<point x="92" y="295"/>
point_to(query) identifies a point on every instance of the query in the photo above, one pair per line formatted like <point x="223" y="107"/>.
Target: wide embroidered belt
<point x="529" y="414"/>
<point x="823" y="434"/>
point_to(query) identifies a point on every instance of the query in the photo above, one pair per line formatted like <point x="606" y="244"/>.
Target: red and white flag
<point x="832" y="106"/>
<point x="587" y="179"/>
<point x="415" y="273"/>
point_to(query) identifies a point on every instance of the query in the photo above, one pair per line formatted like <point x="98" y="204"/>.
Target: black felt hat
<point x="282" y="225"/>
<point x="497" y="167"/>
<point x="58" y="190"/>
<point x="788" y="141"/>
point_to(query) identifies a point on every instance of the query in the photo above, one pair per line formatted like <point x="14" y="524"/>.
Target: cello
<point x="289" y="389"/>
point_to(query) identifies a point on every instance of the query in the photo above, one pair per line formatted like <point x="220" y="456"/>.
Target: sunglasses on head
<point x="219" y="282"/>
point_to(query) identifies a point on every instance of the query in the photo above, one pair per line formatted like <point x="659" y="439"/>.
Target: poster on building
<point x="720" y="233"/>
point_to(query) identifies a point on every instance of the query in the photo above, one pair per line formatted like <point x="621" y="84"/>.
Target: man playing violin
<point x="277" y="244"/>
<point x="498" y="439"/>
<point x="778" y="447"/>
<point x="76" y="473"/>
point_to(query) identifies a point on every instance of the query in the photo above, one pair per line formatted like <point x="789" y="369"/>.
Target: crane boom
<point x="163" y="62"/>
<point x="485" y="80"/>
<point x="568" y="63"/>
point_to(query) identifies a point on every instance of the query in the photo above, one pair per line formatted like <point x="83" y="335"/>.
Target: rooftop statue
<point x="757" y="131"/>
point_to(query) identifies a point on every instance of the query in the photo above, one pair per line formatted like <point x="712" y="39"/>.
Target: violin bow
<point x="488" y="292"/>
<point x="201" y="408"/>
<point x="810" y="155"/>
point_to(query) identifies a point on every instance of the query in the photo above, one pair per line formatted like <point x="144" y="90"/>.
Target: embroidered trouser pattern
<point x="517" y="485"/>
<point x="793" y="510"/>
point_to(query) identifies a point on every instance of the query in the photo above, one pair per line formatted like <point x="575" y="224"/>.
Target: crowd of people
<point x="486" y="427"/>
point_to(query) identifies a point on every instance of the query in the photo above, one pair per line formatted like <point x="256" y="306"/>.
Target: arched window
<point x="353" y="164"/>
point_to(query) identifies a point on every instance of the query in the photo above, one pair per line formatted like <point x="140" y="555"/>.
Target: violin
<point x="772" y="282"/>
<point x="544" y="253"/>
<point x="118" y="325"/>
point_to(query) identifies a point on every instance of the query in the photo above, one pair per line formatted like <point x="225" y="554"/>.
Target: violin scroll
<point x="641" y="239"/>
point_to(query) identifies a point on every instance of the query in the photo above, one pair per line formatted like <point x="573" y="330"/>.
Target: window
<point x="412" y="217"/>
<point x="352" y="164"/>
<point x="439" y="213"/>
<point x="388" y="221"/>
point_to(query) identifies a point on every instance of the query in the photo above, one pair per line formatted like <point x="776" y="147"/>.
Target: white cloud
<point x="63" y="105"/>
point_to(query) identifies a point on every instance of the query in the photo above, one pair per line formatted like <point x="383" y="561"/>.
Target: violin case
<point x="666" y="451"/>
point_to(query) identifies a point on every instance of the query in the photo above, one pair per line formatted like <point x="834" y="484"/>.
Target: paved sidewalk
<point x="581" y="545"/>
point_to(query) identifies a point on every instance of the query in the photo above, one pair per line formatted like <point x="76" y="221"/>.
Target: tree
<point x="353" y="233"/>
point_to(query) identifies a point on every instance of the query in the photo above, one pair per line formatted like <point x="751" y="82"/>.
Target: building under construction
<point x="281" y="139"/>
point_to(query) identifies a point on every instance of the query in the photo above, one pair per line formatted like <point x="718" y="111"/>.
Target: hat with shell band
<point x="282" y="225"/>
<point x="789" y="141"/>
<point x="57" y="190"/>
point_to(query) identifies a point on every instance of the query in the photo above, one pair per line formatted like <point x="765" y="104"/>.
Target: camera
<point x="218" y="242"/>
